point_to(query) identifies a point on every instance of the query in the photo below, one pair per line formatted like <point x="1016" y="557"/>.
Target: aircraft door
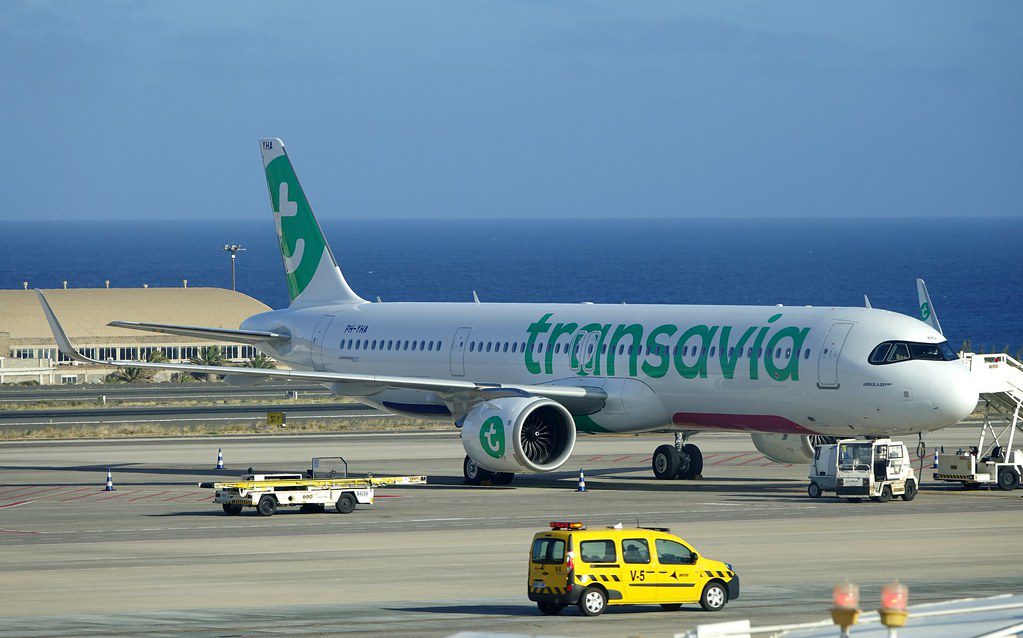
<point x="827" y="362"/>
<point x="319" y="334"/>
<point x="458" y="351"/>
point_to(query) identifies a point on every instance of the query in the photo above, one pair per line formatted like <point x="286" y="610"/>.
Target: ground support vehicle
<point x="855" y="469"/>
<point x="571" y="565"/>
<point x="993" y="461"/>
<point x="268" y="492"/>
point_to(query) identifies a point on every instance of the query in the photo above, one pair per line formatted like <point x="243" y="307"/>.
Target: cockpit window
<point x="899" y="353"/>
<point x="896" y="351"/>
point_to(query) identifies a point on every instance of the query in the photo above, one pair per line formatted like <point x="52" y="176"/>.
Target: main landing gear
<point x="475" y="475"/>
<point x="680" y="461"/>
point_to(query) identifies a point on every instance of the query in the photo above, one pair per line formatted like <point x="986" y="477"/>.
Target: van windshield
<point x="855" y="456"/>
<point x="549" y="551"/>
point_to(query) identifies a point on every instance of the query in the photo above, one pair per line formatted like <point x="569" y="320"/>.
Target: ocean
<point x="972" y="266"/>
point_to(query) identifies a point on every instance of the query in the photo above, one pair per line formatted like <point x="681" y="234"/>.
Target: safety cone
<point x="110" y="482"/>
<point x="935" y="466"/>
<point x="582" y="481"/>
<point x="220" y="459"/>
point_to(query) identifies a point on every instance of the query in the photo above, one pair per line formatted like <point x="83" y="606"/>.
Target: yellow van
<point x="571" y="565"/>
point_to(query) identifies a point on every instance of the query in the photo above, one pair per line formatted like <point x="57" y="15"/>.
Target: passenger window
<point x="440" y="344"/>
<point x="549" y="551"/>
<point x="900" y="352"/>
<point x="422" y="345"/>
<point x="597" y="551"/>
<point x="505" y="347"/>
<point x="489" y="344"/>
<point x="413" y="346"/>
<point x="806" y="355"/>
<point x="390" y="343"/>
<point x="635" y="551"/>
<point x="712" y="351"/>
<point x="472" y="346"/>
<point x="672" y="553"/>
<point x="621" y="349"/>
<point x="514" y="343"/>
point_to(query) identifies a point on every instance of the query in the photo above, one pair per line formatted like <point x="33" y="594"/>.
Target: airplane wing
<point x="927" y="314"/>
<point x="222" y="334"/>
<point x="454" y="391"/>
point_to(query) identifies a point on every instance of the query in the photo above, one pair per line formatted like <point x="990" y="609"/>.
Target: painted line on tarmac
<point x="49" y="489"/>
<point x="139" y="498"/>
<point x="15" y="504"/>
<point x="180" y="496"/>
<point x="99" y="490"/>
<point x="80" y="489"/>
<point x="755" y="458"/>
<point x="119" y="495"/>
<point x="732" y="458"/>
<point x="295" y="417"/>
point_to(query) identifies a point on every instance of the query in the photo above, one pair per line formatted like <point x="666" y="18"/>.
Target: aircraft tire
<point x="502" y="478"/>
<point x="474" y="474"/>
<point x="690" y="462"/>
<point x="665" y="462"/>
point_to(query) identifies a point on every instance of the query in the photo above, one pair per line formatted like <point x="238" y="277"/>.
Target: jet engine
<point x="519" y="434"/>
<point x="789" y="448"/>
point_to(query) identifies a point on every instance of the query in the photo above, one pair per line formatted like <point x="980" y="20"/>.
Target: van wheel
<point x="345" y="504"/>
<point x="592" y="601"/>
<point x="1008" y="480"/>
<point x="267" y="505"/>
<point x="671" y="606"/>
<point x="886" y="494"/>
<point x="665" y="462"/>
<point x="550" y="609"/>
<point x="474" y="474"/>
<point x="814" y="490"/>
<point x="910" y="492"/>
<point x="232" y="510"/>
<point x="714" y="597"/>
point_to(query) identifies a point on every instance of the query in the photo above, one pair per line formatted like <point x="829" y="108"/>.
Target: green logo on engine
<point x="492" y="437"/>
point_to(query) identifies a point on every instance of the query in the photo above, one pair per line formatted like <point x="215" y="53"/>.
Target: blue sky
<point x="497" y="109"/>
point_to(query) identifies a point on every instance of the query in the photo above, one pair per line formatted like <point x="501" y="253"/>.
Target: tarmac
<point x="157" y="557"/>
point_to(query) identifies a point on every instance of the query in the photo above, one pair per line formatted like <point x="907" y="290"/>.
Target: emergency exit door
<point x="458" y="351"/>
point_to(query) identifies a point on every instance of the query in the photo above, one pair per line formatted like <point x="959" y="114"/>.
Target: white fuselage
<point x="798" y="370"/>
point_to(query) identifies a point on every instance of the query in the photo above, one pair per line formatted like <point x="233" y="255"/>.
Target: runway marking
<point x="119" y="495"/>
<point x="15" y="531"/>
<point x="756" y="458"/>
<point x="732" y="458"/>
<point x="621" y="458"/>
<point x="80" y="489"/>
<point x="139" y="498"/>
<point x="49" y="489"/>
<point x="180" y="496"/>
<point x="15" y="504"/>
<point x="295" y="417"/>
<point x="99" y="490"/>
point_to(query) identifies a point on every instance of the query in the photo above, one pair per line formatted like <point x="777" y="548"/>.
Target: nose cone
<point x="954" y="393"/>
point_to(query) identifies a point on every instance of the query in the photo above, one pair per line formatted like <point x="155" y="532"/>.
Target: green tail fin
<point x="309" y="265"/>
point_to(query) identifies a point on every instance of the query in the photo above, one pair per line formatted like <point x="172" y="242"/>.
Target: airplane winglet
<point x="63" y="343"/>
<point x="866" y="301"/>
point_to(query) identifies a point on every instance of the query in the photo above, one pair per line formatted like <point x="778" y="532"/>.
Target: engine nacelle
<point x="789" y="448"/>
<point x="519" y="434"/>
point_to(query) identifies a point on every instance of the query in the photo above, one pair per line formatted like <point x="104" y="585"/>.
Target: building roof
<point x="85" y="312"/>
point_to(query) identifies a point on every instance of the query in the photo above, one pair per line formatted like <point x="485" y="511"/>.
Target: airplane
<point x="520" y="380"/>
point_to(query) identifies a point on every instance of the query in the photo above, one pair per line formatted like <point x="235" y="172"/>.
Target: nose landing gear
<point x="679" y="461"/>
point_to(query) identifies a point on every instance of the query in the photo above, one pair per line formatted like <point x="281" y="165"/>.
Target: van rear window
<point x="549" y="550"/>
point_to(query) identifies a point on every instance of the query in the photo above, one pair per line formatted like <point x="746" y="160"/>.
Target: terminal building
<point x="28" y="352"/>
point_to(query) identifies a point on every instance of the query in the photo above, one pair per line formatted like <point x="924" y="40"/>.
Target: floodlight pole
<point x="233" y="249"/>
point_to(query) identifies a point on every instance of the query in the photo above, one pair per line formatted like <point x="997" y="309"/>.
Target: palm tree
<point x="209" y="356"/>
<point x="129" y="374"/>
<point x="157" y="356"/>
<point x="261" y="361"/>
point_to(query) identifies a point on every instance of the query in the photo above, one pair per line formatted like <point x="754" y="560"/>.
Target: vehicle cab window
<point x="598" y="551"/>
<point x="635" y="551"/>
<point x="672" y="553"/>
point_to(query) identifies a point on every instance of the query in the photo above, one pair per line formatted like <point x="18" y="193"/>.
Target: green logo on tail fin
<point x="302" y="243"/>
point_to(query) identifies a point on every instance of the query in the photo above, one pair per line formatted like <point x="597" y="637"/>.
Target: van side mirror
<point x="695" y="557"/>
